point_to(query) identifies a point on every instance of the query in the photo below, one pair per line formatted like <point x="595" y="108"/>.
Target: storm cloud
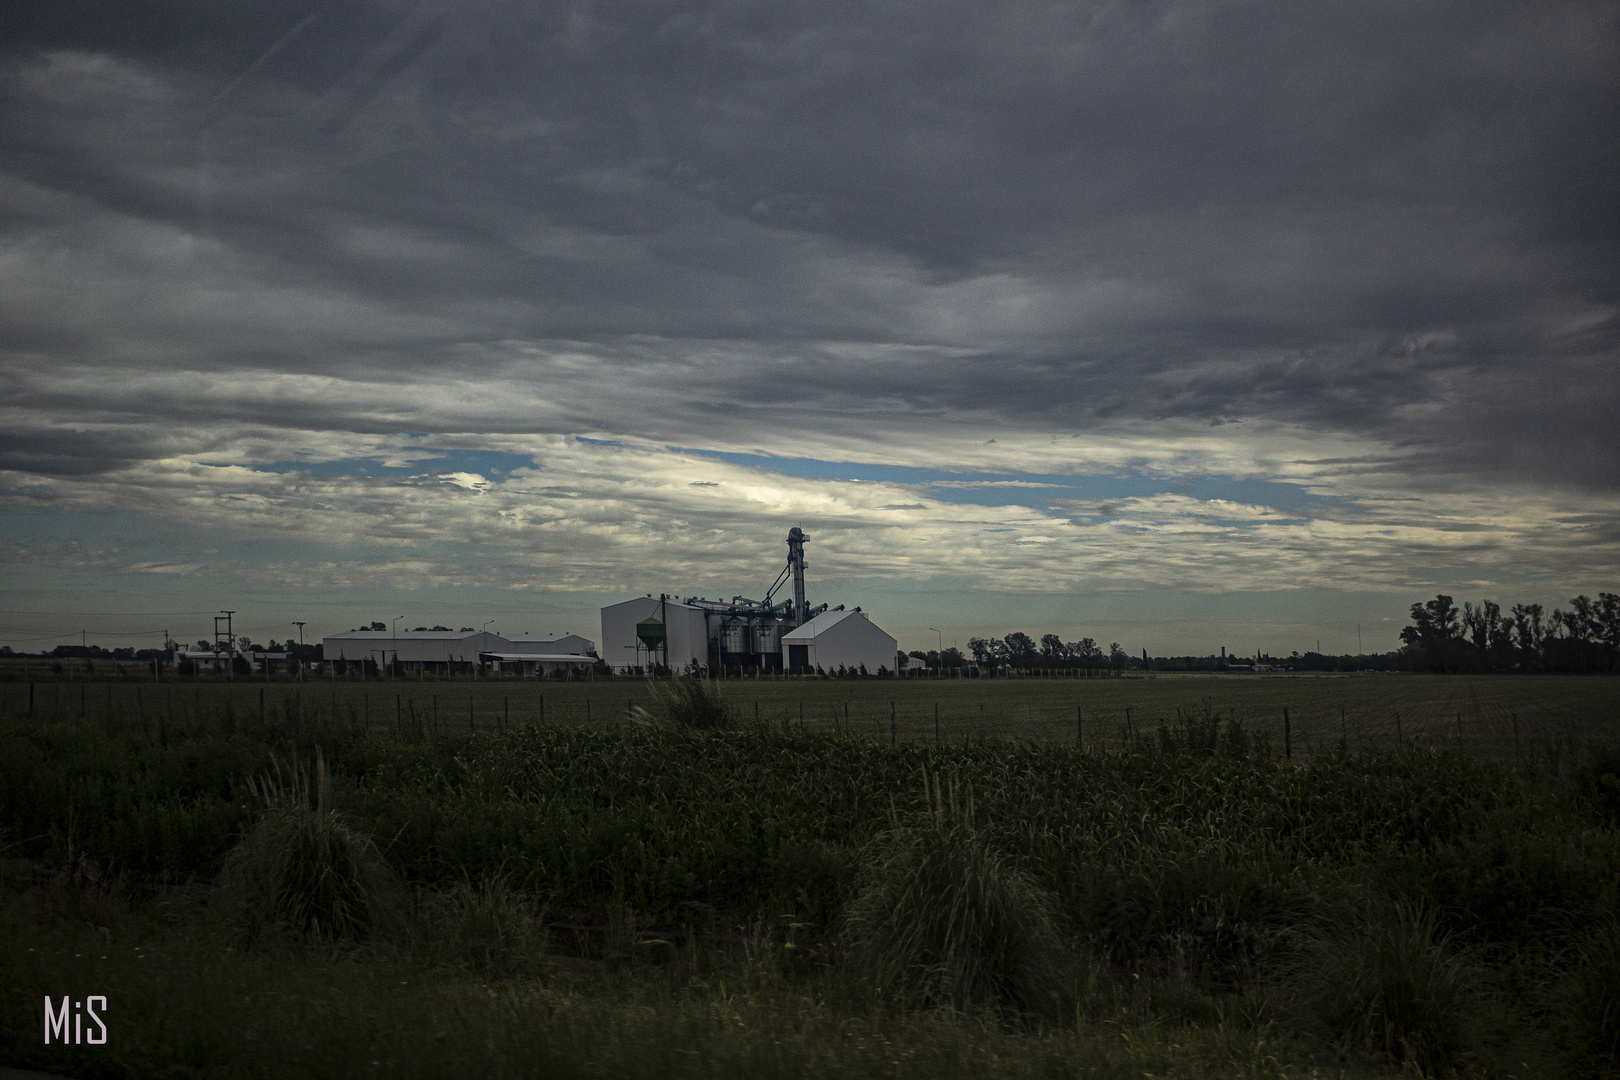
<point x="1364" y="251"/>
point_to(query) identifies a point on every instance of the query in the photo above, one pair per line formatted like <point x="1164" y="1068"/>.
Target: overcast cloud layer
<point x="362" y="300"/>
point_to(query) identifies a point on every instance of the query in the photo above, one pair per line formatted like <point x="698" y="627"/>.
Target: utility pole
<point x="941" y="673"/>
<point x="300" y="650"/>
<point x="230" y="641"/>
<point x="396" y="646"/>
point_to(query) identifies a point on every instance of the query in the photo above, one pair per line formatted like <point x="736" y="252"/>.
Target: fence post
<point x="261" y="704"/>
<point x="1288" y="735"/>
<point x="893" y="731"/>
<point x="1398" y="736"/>
<point x="1079" y="727"/>
<point x="936" y="723"/>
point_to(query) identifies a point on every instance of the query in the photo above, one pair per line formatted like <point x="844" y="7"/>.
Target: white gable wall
<point x="570" y="644"/>
<point x="849" y="639"/>
<point x="688" y="637"/>
<point x="410" y="647"/>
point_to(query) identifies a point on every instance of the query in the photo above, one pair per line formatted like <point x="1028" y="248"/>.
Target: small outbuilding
<point x="837" y="639"/>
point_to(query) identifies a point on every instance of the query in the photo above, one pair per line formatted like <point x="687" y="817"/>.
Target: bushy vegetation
<point x="1373" y="906"/>
<point x="301" y="868"/>
<point x="943" y="919"/>
<point x="687" y="702"/>
<point x="1385" y="979"/>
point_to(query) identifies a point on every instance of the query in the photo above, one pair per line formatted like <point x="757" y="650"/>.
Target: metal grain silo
<point x="734" y="636"/>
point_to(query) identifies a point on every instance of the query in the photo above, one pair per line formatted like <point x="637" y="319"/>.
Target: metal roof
<point x="413" y="635"/>
<point x="819" y="625"/>
<point x="548" y="658"/>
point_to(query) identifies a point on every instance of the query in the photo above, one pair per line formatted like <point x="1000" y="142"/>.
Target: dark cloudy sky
<point x="1182" y="324"/>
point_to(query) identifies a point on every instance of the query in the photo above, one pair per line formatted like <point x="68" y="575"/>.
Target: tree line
<point x="1019" y="650"/>
<point x="1482" y="637"/>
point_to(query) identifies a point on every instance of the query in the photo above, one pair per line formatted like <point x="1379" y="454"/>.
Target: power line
<point x="104" y="614"/>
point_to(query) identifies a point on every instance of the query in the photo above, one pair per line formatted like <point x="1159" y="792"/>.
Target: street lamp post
<point x="941" y="672"/>
<point x="485" y="630"/>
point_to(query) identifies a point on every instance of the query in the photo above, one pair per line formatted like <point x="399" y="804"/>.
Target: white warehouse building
<point x="453" y="649"/>
<point x="685" y="626"/>
<point x="836" y="639"/>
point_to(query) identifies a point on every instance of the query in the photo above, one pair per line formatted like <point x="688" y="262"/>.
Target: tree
<point x="1087" y="652"/>
<point x="1052" y="649"/>
<point x="1116" y="656"/>
<point x="1431" y="642"/>
<point x="1527" y="634"/>
<point x="1020" y="648"/>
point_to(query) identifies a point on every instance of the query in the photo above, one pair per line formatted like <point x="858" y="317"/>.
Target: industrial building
<point x="839" y="639"/>
<point x="541" y="654"/>
<point x="447" y="651"/>
<point x="743" y="635"/>
<point x="680" y="643"/>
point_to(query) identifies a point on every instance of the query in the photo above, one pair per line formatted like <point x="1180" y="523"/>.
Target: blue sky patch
<point x="492" y="464"/>
<point x="1031" y="489"/>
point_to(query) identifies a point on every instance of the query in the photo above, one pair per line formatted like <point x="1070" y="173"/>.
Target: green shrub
<point x="944" y="920"/>
<point x="302" y="870"/>
<point x="1385" y="981"/>
<point x="688" y="702"/>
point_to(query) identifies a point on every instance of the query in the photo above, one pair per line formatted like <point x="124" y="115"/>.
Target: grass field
<point x="555" y="897"/>
<point x="1495" y="715"/>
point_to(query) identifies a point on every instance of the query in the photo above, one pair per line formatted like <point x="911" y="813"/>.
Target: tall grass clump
<point x="1388" y="983"/>
<point x="688" y="702"/>
<point x="1595" y="1014"/>
<point x="488" y="928"/>
<point x="1597" y="781"/>
<point x="943" y="920"/>
<point x="301" y="869"/>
